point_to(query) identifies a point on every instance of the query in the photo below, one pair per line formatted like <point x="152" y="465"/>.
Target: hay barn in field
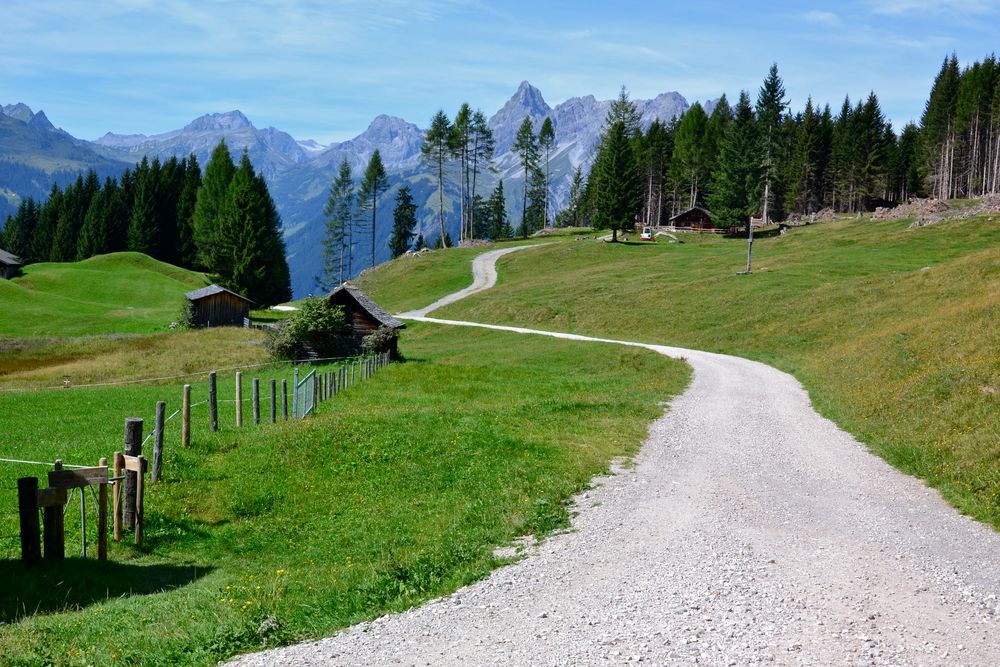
<point x="215" y="306"/>
<point x="9" y="264"/>
<point x="363" y="316"/>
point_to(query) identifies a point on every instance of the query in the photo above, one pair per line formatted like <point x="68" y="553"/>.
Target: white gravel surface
<point x="750" y="530"/>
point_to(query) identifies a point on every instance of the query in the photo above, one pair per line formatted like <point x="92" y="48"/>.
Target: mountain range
<point x="34" y="154"/>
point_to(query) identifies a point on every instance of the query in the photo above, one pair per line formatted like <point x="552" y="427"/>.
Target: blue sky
<point x="324" y="69"/>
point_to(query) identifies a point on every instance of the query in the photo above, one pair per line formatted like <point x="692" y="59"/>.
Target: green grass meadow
<point x="895" y="332"/>
<point x="397" y="490"/>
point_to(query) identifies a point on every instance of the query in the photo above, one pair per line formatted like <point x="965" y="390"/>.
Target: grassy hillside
<point x="118" y="293"/>
<point x="894" y="332"/>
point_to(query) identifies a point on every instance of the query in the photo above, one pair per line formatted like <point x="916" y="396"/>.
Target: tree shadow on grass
<point x="76" y="583"/>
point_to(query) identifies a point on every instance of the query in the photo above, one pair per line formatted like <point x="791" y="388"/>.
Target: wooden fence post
<point x="256" y="400"/>
<point x="239" y="399"/>
<point x="116" y="495"/>
<point x="284" y="399"/>
<point x="140" y="500"/>
<point x="185" y="417"/>
<point x="133" y="447"/>
<point x="102" y="516"/>
<point x="295" y="393"/>
<point x="53" y="532"/>
<point x="27" y="508"/>
<point x="274" y="401"/>
<point x="213" y="405"/>
<point x="161" y="408"/>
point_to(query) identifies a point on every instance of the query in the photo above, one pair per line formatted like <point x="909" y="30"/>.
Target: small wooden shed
<point x="9" y="264"/>
<point x="695" y="218"/>
<point x="215" y="306"/>
<point x="363" y="315"/>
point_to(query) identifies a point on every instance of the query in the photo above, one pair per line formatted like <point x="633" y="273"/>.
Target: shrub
<point x="382" y="339"/>
<point x="316" y="327"/>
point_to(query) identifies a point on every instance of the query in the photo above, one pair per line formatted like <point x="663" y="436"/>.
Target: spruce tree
<point x="437" y="148"/>
<point x="617" y="200"/>
<point x="496" y="206"/>
<point x="736" y="183"/>
<point x="770" y="108"/>
<point x="690" y="156"/>
<point x="338" y="214"/>
<point x="481" y="154"/>
<point x="373" y="184"/>
<point x="144" y="224"/>
<point x="526" y="147"/>
<point x="404" y="221"/>
<point x="45" y="231"/>
<point x="461" y="147"/>
<point x="19" y="229"/>
<point x="213" y="191"/>
<point x="547" y="143"/>
<point x="187" y="250"/>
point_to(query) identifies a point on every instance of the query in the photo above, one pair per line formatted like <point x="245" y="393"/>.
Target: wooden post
<point x="274" y="401"/>
<point x="295" y="394"/>
<point x="352" y="373"/>
<point x="102" y="517"/>
<point x="185" y="417"/>
<point x="213" y="405"/>
<point x="239" y="399"/>
<point x="161" y="408"/>
<point x="116" y="495"/>
<point x="140" y="498"/>
<point x="284" y="399"/>
<point x="256" y="400"/>
<point x="27" y="508"/>
<point x="133" y="447"/>
<point x="53" y="532"/>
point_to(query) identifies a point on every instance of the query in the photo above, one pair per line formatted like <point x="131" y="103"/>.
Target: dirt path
<point x="751" y="530"/>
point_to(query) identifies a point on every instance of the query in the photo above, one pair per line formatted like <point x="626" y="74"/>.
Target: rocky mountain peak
<point x="19" y="111"/>
<point x="527" y="101"/>
<point x="41" y="121"/>
<point x="219" y="122"/>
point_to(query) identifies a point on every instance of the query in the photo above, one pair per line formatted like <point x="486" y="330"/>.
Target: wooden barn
<point x="9" y="264"/>
<point x="363" y="315"/>
<point x="694" y="218"/>
<point x="215" y="306"/>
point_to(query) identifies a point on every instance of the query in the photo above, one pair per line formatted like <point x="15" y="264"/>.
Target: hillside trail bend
<point x="750" y="530"/>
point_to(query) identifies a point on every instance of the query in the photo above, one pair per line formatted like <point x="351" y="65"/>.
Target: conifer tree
<point x="496" y="206"/>
<point x="547" y="143"/>
<point x="218" y="173"/>
<point x="437" y="148"/>
<point x="373" y="184"/>
<point x="526" y="147"/>
<point x="461" y="148"/>
<point x="690" y="156"/>
<point x="771" y="105"/>
<point x="404" y="221"/>
<point x="187" y="250"/>
<point x="617" y="197"/>
<point x="481" y="154"/>
<point x="45" y="231"/>
<point x="736" y="183"/>
<point x="338" y="214"/>
<point x="19" y="230"/>
<point x="144" y="224"/>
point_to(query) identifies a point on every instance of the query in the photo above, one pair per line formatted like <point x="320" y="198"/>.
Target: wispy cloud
<point x="954" y="7"/>
<point x="823" y="18"/>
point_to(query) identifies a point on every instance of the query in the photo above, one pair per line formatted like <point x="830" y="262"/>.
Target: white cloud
<point x="957" y="7"/>
<point x="818" y="17"/>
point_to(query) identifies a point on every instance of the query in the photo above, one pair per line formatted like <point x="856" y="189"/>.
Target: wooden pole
<point x="116" y="495"/>
<point x="102" y="516"/>
<point x="213" y="405"/>
<point x="161" y="408"/>
<point x="27" y="509"/>
<point x="133" y="447"/>
<point x="295" y="393"/>
<point x="284" y="399"/>
<point x="274" y="401"/>
<point x="256" y="400"/>
<point x="140" y="500"/>
<point x="239" y="399"/>
<point x="53" y="533"/>
<point x="185" y="418"/>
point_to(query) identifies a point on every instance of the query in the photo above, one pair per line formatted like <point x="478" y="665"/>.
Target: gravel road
<point x="750" y="530"/>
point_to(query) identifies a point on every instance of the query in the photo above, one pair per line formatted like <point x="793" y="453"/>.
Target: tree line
<point x="757" y="158"/>
<point x="224" y="223"/>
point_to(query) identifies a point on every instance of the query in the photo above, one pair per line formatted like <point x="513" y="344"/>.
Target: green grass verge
<point x="893" y="331"/>
<point x="123" y="292"/>
<point x="397" y="491"/>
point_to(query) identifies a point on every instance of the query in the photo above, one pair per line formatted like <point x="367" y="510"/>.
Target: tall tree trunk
<point x="444" y="241"/>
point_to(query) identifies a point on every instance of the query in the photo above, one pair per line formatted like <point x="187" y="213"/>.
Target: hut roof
<point x="213" y="289"/>
<point x="370" y="306"/>
<point x="9" y="259"/>
<point x="694" y="208"/>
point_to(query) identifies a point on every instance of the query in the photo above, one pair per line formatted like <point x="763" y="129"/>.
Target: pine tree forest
<point x="168" y="211"/>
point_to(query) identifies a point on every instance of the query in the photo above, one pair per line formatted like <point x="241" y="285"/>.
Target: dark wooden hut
<point x="363" y="315"/>
<point x="9" y="264"/>
<point x="215" y="306"/>
<point x="694" y="218"/>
